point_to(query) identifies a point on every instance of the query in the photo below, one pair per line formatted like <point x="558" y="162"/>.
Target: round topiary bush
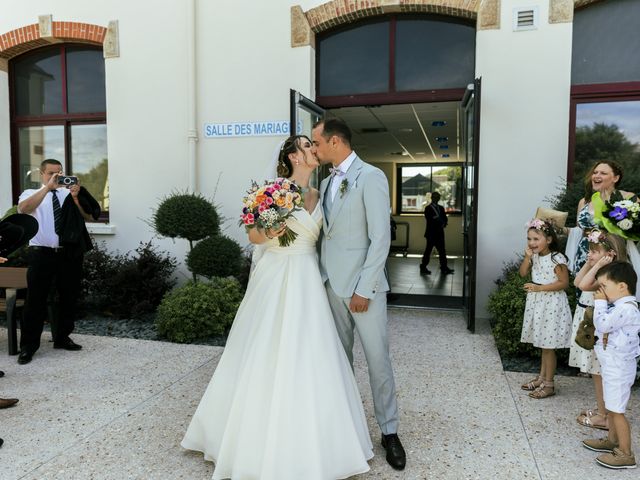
<point x="216" y="256"/>
<point x="186" y="215"/>
<point x="198" y="310"/>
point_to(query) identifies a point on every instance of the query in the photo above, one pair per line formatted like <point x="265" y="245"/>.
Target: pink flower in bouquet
<point x="268" y="206"/>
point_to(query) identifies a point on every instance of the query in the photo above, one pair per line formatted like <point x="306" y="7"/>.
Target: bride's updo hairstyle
<point x="290" y="145"/>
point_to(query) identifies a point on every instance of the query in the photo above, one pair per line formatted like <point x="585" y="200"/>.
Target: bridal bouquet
<point x="617" y="215"/>
<point x="269" y="205"/>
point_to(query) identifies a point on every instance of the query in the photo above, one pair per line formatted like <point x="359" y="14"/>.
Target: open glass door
<point x="471" y="142"/>
<point x="304" y="113"/>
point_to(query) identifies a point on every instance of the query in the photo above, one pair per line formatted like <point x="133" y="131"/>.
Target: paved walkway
<point x="118" y="410"/>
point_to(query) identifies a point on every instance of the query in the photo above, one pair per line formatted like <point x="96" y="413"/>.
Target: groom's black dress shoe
<point x="67" y="344"/>
<point x="25" y="357"/>
<point x="396" y="457"/>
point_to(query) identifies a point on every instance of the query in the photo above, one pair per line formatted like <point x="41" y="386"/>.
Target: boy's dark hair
<point x="335" y="126"/>
<point x="620" y="272"/>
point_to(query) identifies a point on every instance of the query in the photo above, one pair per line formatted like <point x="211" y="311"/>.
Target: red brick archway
<point x="337" y="12"/>
<point x="27" y="38"/>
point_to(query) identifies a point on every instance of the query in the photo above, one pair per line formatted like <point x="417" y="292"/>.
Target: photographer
<point x="55" y="255"/>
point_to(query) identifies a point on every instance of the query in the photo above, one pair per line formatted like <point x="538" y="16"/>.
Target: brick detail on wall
<point x="584" y="3"/>
<point x="560" y="11"/>
<point x="340" y="12"/>
<point x="27" y="38"/>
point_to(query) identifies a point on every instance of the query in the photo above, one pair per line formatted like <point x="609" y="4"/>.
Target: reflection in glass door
<point x="304" y="114"/>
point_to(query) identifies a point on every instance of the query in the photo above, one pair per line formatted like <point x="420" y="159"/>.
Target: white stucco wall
<point x="245" y="67"/>
<point x="523" y="132"/>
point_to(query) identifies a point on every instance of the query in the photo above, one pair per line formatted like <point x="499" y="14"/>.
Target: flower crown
<point x="598" y="237"/>
<point x="539" y="224"/>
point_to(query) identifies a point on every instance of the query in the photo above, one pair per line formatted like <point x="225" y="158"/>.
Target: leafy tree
<point x="594" y="143"/>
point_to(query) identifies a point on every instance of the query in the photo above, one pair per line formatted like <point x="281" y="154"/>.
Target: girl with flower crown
<point x="547" y="315"/>
<point x="603" y="249"/>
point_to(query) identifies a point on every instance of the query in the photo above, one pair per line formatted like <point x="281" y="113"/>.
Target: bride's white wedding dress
<point x="283" y="402"/>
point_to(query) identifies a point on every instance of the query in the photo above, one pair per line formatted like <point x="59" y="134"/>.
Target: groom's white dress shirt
<point x="337" y="179"/>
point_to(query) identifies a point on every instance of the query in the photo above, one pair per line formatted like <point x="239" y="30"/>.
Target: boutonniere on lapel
<point x="343" y="187"/>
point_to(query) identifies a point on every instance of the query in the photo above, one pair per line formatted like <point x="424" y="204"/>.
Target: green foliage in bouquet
<point x="186" y="215"/>
<point x="507" y="304"/>
<point x="216" y="256"/>
<point x="198" y="310"/>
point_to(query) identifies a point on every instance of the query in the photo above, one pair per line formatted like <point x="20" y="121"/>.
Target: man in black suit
<point x="436" y="222"/>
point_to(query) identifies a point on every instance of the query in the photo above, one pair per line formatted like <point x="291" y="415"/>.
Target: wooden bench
<point x="12" y="279"/>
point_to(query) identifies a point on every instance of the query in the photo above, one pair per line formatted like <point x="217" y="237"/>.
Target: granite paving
<point x="119" y="408"/>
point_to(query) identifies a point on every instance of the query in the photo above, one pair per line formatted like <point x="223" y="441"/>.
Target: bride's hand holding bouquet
<point x="268" y="206"/>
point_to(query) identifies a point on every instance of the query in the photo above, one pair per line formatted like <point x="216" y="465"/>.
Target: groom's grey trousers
<point x="372" y="329"/>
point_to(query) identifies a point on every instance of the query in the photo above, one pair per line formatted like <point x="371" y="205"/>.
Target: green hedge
<point x="198" y="310"/>
<point x="507" y="304"/>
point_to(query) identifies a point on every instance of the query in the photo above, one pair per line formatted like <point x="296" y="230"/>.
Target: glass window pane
<point x="432" y="54"/>
<point x="447" y="180"/>
<point x="355" y="61"/>
<point x="416" y="186"/>
<point x="606" y="42"/>
<point x="89" y="160"/>
<point x="85" y="80"/>
<point x="38" y="84"/>
<point x="418" y="182"/>
<point x="609" y="130"/>
<point x="35" y="145"/>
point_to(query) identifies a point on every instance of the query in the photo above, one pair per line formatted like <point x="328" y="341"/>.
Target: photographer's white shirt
<point x="46" y="236"/>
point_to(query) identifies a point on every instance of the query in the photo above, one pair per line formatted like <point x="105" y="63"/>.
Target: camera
<point x="67" y="181"/>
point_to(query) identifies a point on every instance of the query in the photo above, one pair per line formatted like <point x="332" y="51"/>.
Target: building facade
<point x="142" y="99"/>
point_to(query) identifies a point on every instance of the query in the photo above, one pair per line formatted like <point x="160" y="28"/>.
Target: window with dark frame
<point x="605" y="91"/>
<point x="58" y="110"/>
<point x="416" y="183"/>
<point x="395" y="59"/>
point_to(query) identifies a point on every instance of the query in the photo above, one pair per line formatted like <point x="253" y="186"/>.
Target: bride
<point x="283" y="402"/>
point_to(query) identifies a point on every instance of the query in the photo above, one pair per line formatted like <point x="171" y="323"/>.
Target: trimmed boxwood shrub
<point x="217" y="256"/>
<point x="506" y="305"/>
<point x="198" y="310"/>
<point x="186" y="215"/>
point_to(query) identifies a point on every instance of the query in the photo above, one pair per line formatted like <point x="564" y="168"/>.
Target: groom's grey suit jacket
<point x="356" y="232"/>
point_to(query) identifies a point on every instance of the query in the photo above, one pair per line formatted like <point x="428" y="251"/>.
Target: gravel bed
<point x="142" y="329"/>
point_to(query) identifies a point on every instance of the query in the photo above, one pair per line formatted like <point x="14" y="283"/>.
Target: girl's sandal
<point x="589" y="412"/>
<point x="532" y="385"/>
<point x="592" y="421"/>
<point x="546" y="389"/>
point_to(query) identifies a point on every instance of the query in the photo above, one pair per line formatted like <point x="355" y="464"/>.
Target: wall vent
<point x="525" y="18"/>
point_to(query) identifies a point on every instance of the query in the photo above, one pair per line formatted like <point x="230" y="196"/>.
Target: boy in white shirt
<point x="617" y="347"/>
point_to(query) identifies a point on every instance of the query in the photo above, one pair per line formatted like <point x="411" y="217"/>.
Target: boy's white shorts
<point x="618" y="374"/>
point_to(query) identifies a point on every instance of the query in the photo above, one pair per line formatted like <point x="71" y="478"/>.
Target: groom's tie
<point x="328" y="201"/>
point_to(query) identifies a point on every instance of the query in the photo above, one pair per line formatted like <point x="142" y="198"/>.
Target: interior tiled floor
<point x="405" y="278"/>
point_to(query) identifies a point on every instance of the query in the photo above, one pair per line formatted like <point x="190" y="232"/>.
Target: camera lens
<point x="67" y="181"/>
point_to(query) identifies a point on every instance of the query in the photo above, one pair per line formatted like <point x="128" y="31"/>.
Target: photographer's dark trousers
<point x="50" y="268"/>
<point x="435" y="240"/>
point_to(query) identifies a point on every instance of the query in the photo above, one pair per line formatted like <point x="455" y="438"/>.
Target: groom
<point x="354" y="247"/>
